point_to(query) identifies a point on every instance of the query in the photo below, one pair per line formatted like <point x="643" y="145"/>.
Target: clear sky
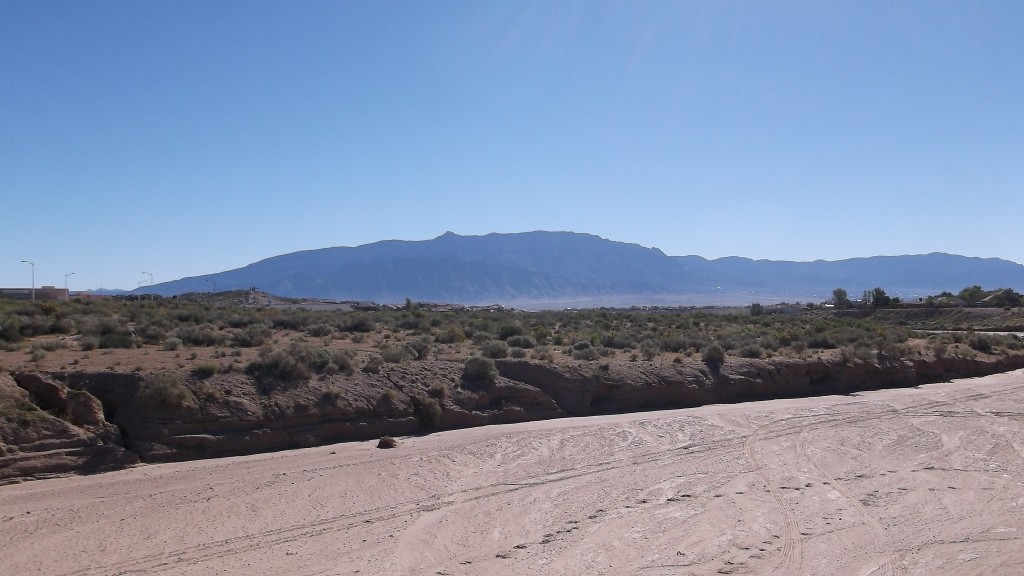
<point x="186" y="138"/>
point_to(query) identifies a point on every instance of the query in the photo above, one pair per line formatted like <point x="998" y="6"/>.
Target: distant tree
<point x="879" y="299"/>
<point x="840" y="298"/>
<point x="756" y="309"/>
<point x="971" y="294"/>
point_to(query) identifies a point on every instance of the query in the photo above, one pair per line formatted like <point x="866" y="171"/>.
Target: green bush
<point x="586" y="354"/>
<point x="278" y="365"/>
<point x="650" y="349"/>
<point x="713" y="355"/>
<point x="751" y="351"/>
<point x="252" y="336"/>
<point x="116" y="340"/>
<point x="427" y="410"/>
<point x="172" y="344"/>
<point x="507" y="331"/>
<point x="494" y="349"/>
<point x="451" y="334"/>
<point x="479" y="369"/>
<point x="394" y="354"/>
<point x="521" y="341"/>
<point x="980" y="342"/>
<point x="360" y="323"/>
<point x="205" y="370"/>
<point x="165" y="389"/>
<point x="320" y="330"/>
<point x="373" y="364"/>
<point x="421" y="347"/>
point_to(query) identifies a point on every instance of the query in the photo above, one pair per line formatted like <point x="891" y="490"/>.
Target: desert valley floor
<point x="916" y="481"/>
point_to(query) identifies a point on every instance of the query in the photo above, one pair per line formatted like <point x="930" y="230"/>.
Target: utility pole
<point x="150" y="285"/>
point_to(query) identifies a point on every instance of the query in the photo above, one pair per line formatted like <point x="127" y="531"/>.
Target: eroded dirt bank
<point x="77" y="422"/>
<point x="907" y="482"/>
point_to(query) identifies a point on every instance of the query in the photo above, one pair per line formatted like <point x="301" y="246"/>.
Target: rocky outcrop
<point x="47" y="429"/>
<point x="83" y="422"/>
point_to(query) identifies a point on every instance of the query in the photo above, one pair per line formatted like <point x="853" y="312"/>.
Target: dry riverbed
<point x="923" y="481"/>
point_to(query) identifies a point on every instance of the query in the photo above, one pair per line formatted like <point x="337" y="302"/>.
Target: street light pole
<point x="33" y="264"/>
<point x="150" y="285"/>
<point x="66" y="293"/>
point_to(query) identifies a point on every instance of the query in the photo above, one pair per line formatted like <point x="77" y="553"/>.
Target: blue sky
<point x="185" y="138"/>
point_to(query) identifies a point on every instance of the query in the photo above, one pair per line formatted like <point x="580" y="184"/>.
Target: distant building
<point x="42" y="293"/>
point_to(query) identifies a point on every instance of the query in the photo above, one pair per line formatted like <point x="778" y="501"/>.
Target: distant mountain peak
<point x="534" y="269"/>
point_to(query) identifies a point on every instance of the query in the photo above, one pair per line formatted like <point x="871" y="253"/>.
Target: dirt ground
<point x="923" y="481"/>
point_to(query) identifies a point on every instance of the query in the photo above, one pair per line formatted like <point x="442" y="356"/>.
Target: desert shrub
<point x="394" y="353"/>
<point x="165" y="389"/>
<point x="299" y="362"/>
<point x="427" y="410"/>
<point x="421" y="347"/>
<point x="586" y="354"/>
<point x="49" y="345"/>
<point x="713" y="354"/>
<point x="650" y="349"/>
<point x="479" y="369"/>
<point x="330" y="395"/>
<point x="204" y="335"/>
<point x="172" y="344"/>
<point x="980" y="342"/>
<point x="582" y="345"/>
<point x="252" y="336"/>
<point x="494" y="349"/>
<point x="439" y="389"/>
<point x="373" y="364"/>
<point x="341" y="361"/>
<point x="542" y="353"/>
<point x="10" y="328"/>
<point x="507" y="331"/>
<point x="517" y="352"/>
<point x="521" y="341"/>
<point x="153" y="332"/>
<point x="360" y="323"/>
<point x="751" y="351"/>
<point x="87" y="343"/>
<point x="674" y="344"/>
<point x="116" y="340"/>
<point x="387" y="442"/>
<point x="451" y="334"/>
<point x="205" y="370"/>
<point x="320" y="330"/>
<point x="821" y="340"/>
<point x="36" y="354"/>
<point x="939" y="348"/>
<point x="798" y="346"/>
<point x="479" y="338"/>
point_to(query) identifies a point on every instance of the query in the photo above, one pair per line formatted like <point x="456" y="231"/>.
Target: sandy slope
<point x="925" y="481"/>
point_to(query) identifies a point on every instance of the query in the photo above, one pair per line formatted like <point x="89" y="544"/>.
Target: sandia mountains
<point x="566" y="269"/>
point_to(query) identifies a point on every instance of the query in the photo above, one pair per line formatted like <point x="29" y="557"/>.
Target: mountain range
<point x="567" y="269"/>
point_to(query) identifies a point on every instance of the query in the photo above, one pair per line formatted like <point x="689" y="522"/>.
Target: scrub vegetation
<point x="282" y="344"/>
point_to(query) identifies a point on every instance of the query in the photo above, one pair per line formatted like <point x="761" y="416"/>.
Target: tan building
<point x="42" y="293"/>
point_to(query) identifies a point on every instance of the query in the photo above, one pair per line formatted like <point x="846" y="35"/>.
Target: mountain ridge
<point x="555" y="268"/>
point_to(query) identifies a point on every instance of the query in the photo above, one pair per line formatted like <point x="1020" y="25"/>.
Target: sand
<point x="917" y="481"/>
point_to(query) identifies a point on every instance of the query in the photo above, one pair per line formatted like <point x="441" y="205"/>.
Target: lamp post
<point x="150" y="285"/>
<point x="33" y="264"/>
<point x="66" y="293"/>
